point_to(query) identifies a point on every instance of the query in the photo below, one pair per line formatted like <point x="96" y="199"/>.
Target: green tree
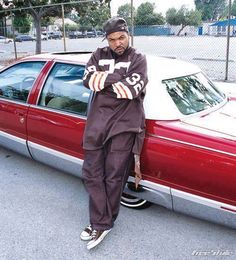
<point x="94" y="17"/>
<point x="108" y="4"/>
<point x="211" y="9"/>
<point x="146" y="15"/>
<point x="37" y="14"/>
<point x="183" y="17"/>
<point x="88" y="12"/>
<point x="233" y="12"/>
<point x="41" y="12"/>
<point x="47" y="20"/>
<point x="71" y="27"/>
<point x="125" y="12"/>
<point x="2" y="21"/>
<point x="22" y="23"/>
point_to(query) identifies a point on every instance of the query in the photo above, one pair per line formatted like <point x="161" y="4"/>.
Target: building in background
<point x="220" y="27"/>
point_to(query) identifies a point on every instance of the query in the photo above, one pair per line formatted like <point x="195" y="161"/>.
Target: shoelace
<point x="94" y="233"/>
<point x="88" y="229"/>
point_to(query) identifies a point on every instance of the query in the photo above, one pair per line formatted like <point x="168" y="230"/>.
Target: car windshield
<point x="193" y="93"/>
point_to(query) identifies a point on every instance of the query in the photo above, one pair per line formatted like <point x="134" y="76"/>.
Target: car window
<point x="64" y="89"/>
<point x="193" y="93"/>
<point x="17" y="81"/>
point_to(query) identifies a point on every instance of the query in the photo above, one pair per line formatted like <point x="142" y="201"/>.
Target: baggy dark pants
<point x="105" y="172"/>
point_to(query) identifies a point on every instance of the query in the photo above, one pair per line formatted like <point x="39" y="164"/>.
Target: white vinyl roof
<point x="158" y="104"/>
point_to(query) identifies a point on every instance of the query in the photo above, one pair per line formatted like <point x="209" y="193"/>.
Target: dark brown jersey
<point x="117" y="106"/>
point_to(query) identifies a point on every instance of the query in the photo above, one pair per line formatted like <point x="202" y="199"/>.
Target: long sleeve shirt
<point x="119" y="84"/>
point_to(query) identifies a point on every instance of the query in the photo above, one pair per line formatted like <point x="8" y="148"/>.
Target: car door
<point x="56" y="122"/>
<point x="15" y="85"/>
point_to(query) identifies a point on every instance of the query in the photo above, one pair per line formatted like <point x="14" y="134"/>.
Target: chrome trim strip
<point x="15" y="101"/>
<point x="56" y="153"/>
<point x="191" y="144"/>
<point x="204" y="201"/>
<point x="187" y="196"/>
<point x="152" y="185"/>
<point x="228" y="209"/>
<point x="12" y="137"/>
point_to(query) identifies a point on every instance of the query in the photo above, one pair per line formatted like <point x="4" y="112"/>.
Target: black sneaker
<point x="86" y="234"/>
<point x="97" y="237"/>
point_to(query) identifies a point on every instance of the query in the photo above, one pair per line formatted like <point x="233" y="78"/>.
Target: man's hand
<point x="97" y="80"/>
<point x="138" y="174"/>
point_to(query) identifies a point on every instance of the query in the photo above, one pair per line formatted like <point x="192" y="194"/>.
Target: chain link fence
<point x="207" y="51"/>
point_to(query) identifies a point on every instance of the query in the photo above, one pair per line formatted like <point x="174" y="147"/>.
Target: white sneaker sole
<point x="85" y="238"/>
<point x="92" y="243"/>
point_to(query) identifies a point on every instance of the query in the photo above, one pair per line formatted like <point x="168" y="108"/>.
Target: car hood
<point x="221" y="123"/>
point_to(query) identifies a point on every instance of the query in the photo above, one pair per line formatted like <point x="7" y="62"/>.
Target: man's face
<point x="118" y="42"/>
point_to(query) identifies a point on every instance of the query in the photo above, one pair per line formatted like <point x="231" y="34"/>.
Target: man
<point x="115" y="126"/>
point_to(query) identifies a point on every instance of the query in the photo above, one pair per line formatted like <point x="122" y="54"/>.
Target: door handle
<point x="22" y="120"/>
<point x="21" y="117"/>
<point x="2" y="106"/>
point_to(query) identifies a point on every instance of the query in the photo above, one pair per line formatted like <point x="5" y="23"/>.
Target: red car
<point x="189" y="155"/>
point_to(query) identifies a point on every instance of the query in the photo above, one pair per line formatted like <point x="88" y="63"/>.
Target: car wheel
<point x="130" y="201"/>
<point x="133" y="202"/>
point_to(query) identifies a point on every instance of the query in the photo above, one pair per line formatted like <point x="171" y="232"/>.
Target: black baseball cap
<point x="115" y="24"/>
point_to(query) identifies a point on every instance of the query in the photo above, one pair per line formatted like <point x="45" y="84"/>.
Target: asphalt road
<point x="42" y="212"/>
<point x="208" y="52"/>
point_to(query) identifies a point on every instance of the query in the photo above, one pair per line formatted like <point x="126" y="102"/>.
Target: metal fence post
<point x="63" y="26"/>
<point x="228" y="41"/>
<point x="132" y="24"/>
<point x="13" y="32"/>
